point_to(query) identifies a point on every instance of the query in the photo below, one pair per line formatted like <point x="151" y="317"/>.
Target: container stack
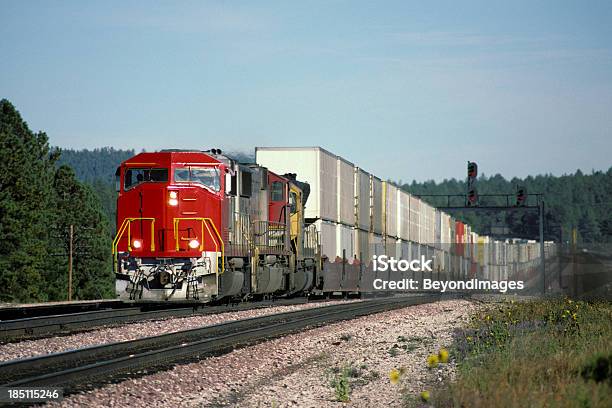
<point x="358" y="215"/>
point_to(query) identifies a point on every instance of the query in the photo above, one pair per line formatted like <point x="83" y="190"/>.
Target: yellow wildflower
<point x="432" y="360"/>
<point x="425" y="396"/>
<point x="394" y="376"/>
<point x="443" y="355"/>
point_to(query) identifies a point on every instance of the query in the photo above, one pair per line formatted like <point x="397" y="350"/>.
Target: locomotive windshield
<point x="135" y="176"/>
<point x="207" y="176"/>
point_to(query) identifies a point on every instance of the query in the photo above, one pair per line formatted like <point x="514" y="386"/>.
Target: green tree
<point x="38" y="203"/>
<point x="26" y="168"/>
<point x="76" y="205"/>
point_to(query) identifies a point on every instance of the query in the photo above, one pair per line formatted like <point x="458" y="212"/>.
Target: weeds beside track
<point x="542" y="353"/>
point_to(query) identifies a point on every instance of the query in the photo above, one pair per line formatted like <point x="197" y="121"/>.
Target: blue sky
<point x="407" y="90"/>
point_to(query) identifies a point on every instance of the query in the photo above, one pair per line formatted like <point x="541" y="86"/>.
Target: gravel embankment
<point x="31" y="348"/>
<point x="296" y="370"/>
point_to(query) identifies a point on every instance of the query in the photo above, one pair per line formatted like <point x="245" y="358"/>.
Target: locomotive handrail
<point x="205" y="221"/>
<point x="127" y="222"/>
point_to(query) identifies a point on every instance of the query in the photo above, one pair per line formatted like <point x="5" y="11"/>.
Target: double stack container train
<point x="200" y="226"/>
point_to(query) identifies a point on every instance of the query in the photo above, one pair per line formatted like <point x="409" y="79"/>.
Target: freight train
<point x="200" y="226"/>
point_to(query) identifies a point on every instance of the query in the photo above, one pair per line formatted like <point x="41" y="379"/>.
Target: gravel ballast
<point x="297" y="370"/>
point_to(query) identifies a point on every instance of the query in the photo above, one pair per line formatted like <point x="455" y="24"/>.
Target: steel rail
<point x="84" y="368"/>
<point x="12" y="312"/>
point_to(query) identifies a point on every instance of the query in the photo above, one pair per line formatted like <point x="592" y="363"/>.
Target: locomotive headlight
<point x="173" y="200"/>
<point x="137" y="244"/>
<point x="193" y="244"/>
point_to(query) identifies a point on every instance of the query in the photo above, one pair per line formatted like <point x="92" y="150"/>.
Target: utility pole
<point x="70" y="245"/>
<point x="542" y="260"/>
<point x="574" y="260"/>
<point x="559" y="259"/>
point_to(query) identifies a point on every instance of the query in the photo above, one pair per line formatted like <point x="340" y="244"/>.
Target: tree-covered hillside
<point x="97" y="164"/>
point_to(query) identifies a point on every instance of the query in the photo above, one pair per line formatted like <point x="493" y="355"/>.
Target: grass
<point x="536" y="354"/>
<point x="341" y="380"/>
<point x="407" y="344"/>
<point x="341" y="385"/>
<point x="393" y="351"/>
<point x="344" y="379"/>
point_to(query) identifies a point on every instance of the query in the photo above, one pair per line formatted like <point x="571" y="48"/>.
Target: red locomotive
<point x="200" y="226"/>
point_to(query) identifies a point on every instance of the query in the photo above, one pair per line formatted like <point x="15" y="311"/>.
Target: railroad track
<point x="45" y="326"/>
<point x="91" y="366"/>
<point x="12" y="312"/>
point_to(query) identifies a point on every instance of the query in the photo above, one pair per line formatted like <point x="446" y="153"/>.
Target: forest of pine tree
<point x="44" y="190"/>
<point x="39" y="200"/>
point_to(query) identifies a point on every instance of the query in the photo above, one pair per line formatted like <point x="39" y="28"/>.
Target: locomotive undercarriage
<point x="162" y="279"/>
<point x="274" y="275"/>
<point x="195" y="279"/>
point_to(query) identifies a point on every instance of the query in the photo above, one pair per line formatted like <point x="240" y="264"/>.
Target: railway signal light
<point x="521" y="197"/>
<point x="472" y="169"/>
<point x="472" y="194"/>
<point x="472" y="197"/>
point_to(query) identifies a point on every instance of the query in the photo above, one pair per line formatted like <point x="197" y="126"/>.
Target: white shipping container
<point x="422" y="222"/>
<point x="363" y="246"/>
<point x="404" y="215"/>
<point x="394" y="247"/>
<point x="430" y="226"/>
<point x="314" y="165"/>
<point x="327" y="238"/>
<point x="415" y="220"/>
<point x="405" y="250"/>
<point x="438" y="230"/>
<point x="328" y="198"/>
<point x="362" y="194"/>
<point x="483" y="250"/>
<point x="376" y="245"/>
<point x="390" y="208"/>
<point x="445" y="237"/>
<point x="346" y="192"/>
<point x="376" y="205"/>
<point x="427" y="224"/>
<point x="345" y="241"/>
